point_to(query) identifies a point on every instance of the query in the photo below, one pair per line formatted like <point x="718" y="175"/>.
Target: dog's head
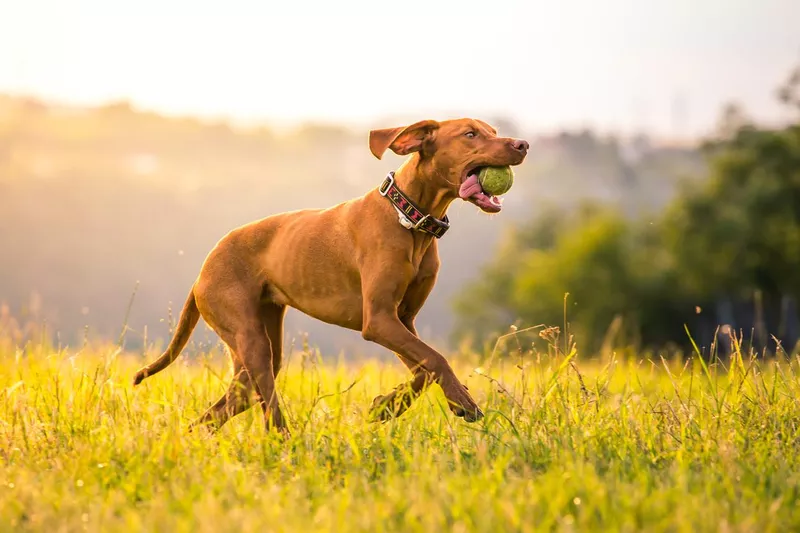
<point x="452" y="152"/>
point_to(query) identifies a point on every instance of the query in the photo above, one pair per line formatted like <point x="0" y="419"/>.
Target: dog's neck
<point x="423" y="188"/>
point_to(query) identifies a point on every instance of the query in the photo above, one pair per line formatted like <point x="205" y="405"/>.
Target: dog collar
<point x="409" y="215"/>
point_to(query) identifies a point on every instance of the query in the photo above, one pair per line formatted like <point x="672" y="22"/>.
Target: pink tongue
<point x="470" y="187"/>
<point x="473" y="191"/>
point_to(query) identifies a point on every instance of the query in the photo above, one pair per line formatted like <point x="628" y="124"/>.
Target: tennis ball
<point x="496" y="180"/>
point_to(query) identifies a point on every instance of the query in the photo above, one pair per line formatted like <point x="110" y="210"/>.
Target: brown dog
<point x="366" y="264"/>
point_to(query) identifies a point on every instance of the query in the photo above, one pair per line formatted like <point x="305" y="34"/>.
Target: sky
<point x="663" y="66"/>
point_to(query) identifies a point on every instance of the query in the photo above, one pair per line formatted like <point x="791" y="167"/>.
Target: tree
<point x="595" y="256"/>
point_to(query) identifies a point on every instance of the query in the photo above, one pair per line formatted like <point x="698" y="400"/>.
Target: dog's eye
<point x="470" y="134"/>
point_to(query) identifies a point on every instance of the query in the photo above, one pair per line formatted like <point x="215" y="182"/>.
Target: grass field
<point x="642" y="445"/>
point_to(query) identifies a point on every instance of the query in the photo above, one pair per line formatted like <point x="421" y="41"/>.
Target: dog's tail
<point x="186" y="323"/>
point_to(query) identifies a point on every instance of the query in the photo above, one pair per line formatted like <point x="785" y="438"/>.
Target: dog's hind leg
<point x="236" y="400"/>
<point x="255" y="351"/>
<point x="272" y="317"/>
<point x="234" y="313"/>
<point x="230" y="305"/>
<point x="239" y="396"/>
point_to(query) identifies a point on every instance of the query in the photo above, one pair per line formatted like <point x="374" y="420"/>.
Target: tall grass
<point x="622" y="444"/>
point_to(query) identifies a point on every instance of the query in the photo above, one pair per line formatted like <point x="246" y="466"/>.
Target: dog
<point x="367" y="264"/>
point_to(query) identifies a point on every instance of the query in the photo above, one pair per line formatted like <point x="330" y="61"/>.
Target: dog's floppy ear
<point x="403" y="140"/>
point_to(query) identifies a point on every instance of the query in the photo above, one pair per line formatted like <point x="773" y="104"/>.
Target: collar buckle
<point x="383" y="190"/>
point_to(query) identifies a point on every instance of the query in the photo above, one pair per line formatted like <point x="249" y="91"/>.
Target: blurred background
<point x="662" y="189"/>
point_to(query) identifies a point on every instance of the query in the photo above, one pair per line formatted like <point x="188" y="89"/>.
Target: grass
<point x="567" y="445"/>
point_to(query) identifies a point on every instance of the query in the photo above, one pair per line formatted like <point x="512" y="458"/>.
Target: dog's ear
<point x="402" y="140"/>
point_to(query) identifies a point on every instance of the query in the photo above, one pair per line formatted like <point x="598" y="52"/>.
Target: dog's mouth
<point x="472" y="191"/>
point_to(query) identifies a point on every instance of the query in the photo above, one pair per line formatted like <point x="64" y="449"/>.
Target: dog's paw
<point x="388" y="406"/>
<point x="472" y="414"/>
<point x="461" y="403"/>
<point x="379" y="410"/>
<point x="139" y="377"/>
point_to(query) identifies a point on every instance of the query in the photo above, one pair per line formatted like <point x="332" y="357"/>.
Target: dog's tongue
<point x="471" y="190"/>
<point x="470" y="187"/>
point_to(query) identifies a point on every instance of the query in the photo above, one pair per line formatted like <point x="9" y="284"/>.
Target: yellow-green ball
<point x="496" y="180"/>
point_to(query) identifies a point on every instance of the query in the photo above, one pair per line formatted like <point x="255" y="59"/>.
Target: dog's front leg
<point x="382" y="326"/>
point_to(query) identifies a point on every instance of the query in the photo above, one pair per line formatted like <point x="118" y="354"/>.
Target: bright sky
<point x="610" y="64"/>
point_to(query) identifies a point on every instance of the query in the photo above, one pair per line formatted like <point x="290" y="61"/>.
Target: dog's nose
<point x="520" y="145"/>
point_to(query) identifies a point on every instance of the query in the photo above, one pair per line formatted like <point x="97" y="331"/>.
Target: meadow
<point x="619" y="443"/>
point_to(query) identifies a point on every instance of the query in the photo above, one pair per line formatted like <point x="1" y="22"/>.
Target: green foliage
<point x="595" y="294"/>
<point x="741" y="231"/>
<point x="606" y="266"/>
